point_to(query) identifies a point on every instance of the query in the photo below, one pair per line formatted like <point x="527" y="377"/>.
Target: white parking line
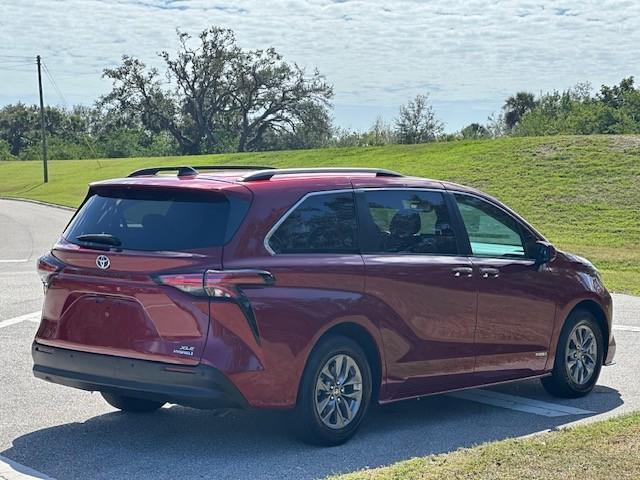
<point x="627" y="328"/>
<point x="29" y="317"/>
<point x="11" y="470"/>
<point x="519" y="404"/>
<point x="22" y="260"/>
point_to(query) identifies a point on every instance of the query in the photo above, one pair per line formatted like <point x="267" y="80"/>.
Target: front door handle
<point x="489" y="272"/>
<point x="462" y="272"/>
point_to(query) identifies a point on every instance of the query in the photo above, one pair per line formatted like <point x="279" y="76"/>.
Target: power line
<point x="16" y="62"/>
<point x="6" y="65"/>
<point x="17" y="57"/>
<point x="55" y="84"/>
<point x="16" y="69"/>
<point x="66" y="105"/>
<point x="20" y="61"/>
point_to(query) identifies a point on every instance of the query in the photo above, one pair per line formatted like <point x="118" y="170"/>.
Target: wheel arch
<point x="366" y="341"/>
<point x="598" y="312"/>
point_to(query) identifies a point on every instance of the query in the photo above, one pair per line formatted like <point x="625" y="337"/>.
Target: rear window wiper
<point x="100" y="238"/>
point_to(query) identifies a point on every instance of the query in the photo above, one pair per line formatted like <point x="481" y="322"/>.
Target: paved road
<point x="71" y="434"/>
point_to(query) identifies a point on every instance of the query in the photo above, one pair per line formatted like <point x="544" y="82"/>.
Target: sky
<point x="467" y="55"/>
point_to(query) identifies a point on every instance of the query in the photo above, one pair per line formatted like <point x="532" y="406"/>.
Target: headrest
<point x="405" y="222"/>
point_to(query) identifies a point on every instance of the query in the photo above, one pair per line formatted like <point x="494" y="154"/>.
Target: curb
<point x="39" y="202"/>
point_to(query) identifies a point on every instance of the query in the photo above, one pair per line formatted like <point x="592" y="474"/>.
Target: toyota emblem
<point x="103" y="262"/>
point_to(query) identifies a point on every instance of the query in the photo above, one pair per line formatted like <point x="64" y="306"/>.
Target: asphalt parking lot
<point x="49" y="430"/>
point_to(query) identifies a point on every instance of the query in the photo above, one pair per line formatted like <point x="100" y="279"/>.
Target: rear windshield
<point x="159" y="220"/>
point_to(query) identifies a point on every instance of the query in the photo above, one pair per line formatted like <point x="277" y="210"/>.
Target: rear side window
<point x="407" y="222"/>
<point x="322" y="223"/>
<point x="160" y="220"/>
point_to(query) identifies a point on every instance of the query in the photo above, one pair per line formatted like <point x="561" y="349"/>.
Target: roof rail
<point x="233" y="167"/>
<point x="186" y="171"/>
<point x="183" y="171"/>
<point x="268" y="174"/>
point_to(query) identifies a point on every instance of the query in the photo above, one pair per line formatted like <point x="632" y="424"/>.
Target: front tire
<point x="335" y="392"/>
<point x="131" y="404"/>
<point x="578" y="357"/>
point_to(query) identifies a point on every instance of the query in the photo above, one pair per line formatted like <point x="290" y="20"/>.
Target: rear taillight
<point x="222" y="285"/>
<point x="192" y="283"/>
<point x="217" y="283"/>
<point x="48" y="266"/>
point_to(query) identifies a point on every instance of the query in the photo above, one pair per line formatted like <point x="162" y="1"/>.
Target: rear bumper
<point x="201" y="386"/>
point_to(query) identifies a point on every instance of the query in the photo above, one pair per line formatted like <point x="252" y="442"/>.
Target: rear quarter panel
<point x="312" y="294"/>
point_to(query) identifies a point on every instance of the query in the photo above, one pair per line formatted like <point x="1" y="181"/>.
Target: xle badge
<point x="185" y="350"/>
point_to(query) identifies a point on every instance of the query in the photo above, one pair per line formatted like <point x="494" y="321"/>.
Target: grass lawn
<point x="606" y="450"/>
<point x="583" y="193"/>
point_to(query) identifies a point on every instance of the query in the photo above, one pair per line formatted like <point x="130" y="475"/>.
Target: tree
<point x="496" y="125"/>
<point x="217" y="94"/>
<point x="139" y="94"/>
<point x="19" y="126"/>
<point x="474" y="131"/>
<point x="271" y="95"/>
<point x="581" y="92"/>
<point x="313" y="130"/>
<point x="516" y="106"/>
<point x="5" y="151"/>
<point x="417" y="122"/>
<point x="614" y="96"/>
<point x="613" y="110"/>
<point x="381" y="133"/>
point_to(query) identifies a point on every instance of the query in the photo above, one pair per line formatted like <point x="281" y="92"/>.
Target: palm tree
<point x="516" y="106"/>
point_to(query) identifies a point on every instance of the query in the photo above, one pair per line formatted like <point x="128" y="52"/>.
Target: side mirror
<point x="545" y="252"/>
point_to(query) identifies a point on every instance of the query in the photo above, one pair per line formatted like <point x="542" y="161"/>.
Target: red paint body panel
<point x="516" y="317"/>
<point x="432" y="331"/>
<point x="310" y="296"/>
<point x="427" y="320"/>
<point x="122" y="311"/>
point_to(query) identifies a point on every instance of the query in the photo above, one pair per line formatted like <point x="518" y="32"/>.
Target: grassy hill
<point x="583" y="193"/>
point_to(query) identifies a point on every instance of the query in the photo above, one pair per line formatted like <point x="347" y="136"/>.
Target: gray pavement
<point x="68" y="434"/>
<point x="27" y="230"/>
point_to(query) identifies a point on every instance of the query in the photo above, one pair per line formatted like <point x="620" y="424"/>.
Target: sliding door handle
<point x="462" y="272"/>
<point x="489" y="272"/>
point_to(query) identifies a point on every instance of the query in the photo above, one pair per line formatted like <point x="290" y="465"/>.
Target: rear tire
<point x="334" y="394"/>
<point x="131" y="404"/>
<point x="579" y="356"/>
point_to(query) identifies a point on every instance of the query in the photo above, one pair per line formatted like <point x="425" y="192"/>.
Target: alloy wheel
<point x="338" y="392"/>
<point x="581" y="354"/>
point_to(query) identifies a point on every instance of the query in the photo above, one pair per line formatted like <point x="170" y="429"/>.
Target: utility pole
<point x="42" y="124"/>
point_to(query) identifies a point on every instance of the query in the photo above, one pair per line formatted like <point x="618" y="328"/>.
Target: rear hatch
<point x="105" y="294"/>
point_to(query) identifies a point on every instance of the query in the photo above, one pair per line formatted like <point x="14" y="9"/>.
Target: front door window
<point x="492" y="232"/>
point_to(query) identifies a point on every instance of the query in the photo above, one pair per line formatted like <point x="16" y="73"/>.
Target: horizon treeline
<point x="214" y="97"/>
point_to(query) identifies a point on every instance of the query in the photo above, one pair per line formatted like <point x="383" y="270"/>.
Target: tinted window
<point x="492" y="232"/>
<point x="407" y="221"/>
<point x="322" y="223"/>
<point x="160" y="220"/>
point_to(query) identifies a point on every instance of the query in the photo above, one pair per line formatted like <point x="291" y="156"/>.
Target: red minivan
<point x="316" y="290"/>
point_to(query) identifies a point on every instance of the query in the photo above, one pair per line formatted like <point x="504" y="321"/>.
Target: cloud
<point x="375" y="52"/>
